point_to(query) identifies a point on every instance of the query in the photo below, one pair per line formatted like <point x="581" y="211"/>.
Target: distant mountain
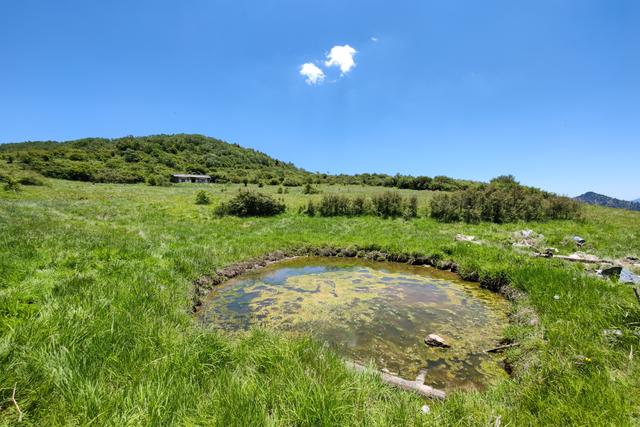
<point x="602" y="200"/>
<point x="637" y="200"/>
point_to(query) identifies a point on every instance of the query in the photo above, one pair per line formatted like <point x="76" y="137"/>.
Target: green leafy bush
<point x="360" y="205"/>
<point x="251" y="203"/>
<point x="30" y="179"/>
<point x="389" y="204"/>
<point x="502" y="200"/>
<point x="202" y="198"/>
<point x="158" y="181"/>
<point x="334" y="205"/>
<point x="11" y="184"/>
<point x="386" y="205"/>
<point x="411" y="207"/>
<point x="309" y="189"/>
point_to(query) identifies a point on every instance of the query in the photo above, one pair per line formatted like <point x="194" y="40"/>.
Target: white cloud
<point x="341" y="56"/>
<point x="374" y="39"/>
<point x="313" y="75"/>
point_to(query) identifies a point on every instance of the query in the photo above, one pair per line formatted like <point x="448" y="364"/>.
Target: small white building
<point x="195" y="179"/>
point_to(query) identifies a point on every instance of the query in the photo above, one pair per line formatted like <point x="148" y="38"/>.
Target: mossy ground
<point x="95" y="298"/>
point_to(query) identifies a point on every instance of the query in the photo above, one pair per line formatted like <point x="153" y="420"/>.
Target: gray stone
<point x="579" y="240"/>
<point x="464" y="238"/>
<point x="626" y="276"/>
<point x="433" y="340"/>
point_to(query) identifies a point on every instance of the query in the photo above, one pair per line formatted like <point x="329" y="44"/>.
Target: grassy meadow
<point x="96" y="327"/>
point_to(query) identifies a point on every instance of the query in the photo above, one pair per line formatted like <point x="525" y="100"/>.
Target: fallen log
<point x="574" y="259"/>
<point x="502" y="347"/>
<point x="415" y="386"/>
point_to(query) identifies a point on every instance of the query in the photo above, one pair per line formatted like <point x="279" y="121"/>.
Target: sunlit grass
<point x="95" y="292"/>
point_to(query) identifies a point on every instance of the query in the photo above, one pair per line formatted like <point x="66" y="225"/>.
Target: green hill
<point x="153" y="159"/>
<point x="138" y="159"/>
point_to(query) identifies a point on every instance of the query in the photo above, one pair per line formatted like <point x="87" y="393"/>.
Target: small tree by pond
<point x="251" y="203"/>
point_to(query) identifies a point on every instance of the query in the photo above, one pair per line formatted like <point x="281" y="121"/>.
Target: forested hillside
<point x="139" y="159"/>
<point x="153" y="159"/>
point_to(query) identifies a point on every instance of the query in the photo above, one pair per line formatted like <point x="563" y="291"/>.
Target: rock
<point x="631" y="259"/>
<point x="464" y="238"/>
<point x="626" y="276"/>
<point x="579" y="240"/>
<point x="581" y="256"/>
<point x="433" y="340"/>
<point x="616" y="332"/>
<point x="526" y="239"/>
<point x="612" y="272"/>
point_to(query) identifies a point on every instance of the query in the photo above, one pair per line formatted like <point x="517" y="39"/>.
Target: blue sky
<point x="546" y="90"/>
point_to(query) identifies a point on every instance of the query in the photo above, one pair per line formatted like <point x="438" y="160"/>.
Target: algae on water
<point x="373" y="311"/>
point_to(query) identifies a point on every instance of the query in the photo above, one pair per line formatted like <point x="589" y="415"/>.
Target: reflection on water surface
<point x="373" y="311"/>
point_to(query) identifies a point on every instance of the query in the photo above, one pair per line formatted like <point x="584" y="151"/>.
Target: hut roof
<point x="182" y="175"/>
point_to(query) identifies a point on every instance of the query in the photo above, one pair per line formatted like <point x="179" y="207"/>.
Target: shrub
<point x="309" y="189"/>
<point x="502" y="200"/>
<point x="445" y="208"/>
<point x="311" y="208"/>
<point x="250" y="203"/>
<point x="11" y="185"/>
<point x="388" y="204"/>
<point x="30" y="180"/>
<point x="291" y="182"/>
<point x="158" y="180"/>
<point x="563" y="208"/>
<point x="280" y="191"/>
<point x="202" y="198"/>
<point x="411" y="208"/>
<point x="334" y="205"/>
<point x="360" y="206"/>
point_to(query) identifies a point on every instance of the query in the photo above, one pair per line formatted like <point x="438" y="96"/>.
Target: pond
<point x="373" y="311"/>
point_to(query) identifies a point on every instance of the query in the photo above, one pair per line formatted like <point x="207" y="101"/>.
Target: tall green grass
<point x="95" y="328"/>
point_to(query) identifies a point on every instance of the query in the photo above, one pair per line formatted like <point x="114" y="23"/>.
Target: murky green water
<point x="373" y="311"/>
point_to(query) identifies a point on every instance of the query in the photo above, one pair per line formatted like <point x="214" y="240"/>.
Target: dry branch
<point x="574" y="259"/>
<point x="502" y="347"/>
<point x="415" y="386"/>
<point x="637" y="292"/>
<point x="13" y="399"/>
